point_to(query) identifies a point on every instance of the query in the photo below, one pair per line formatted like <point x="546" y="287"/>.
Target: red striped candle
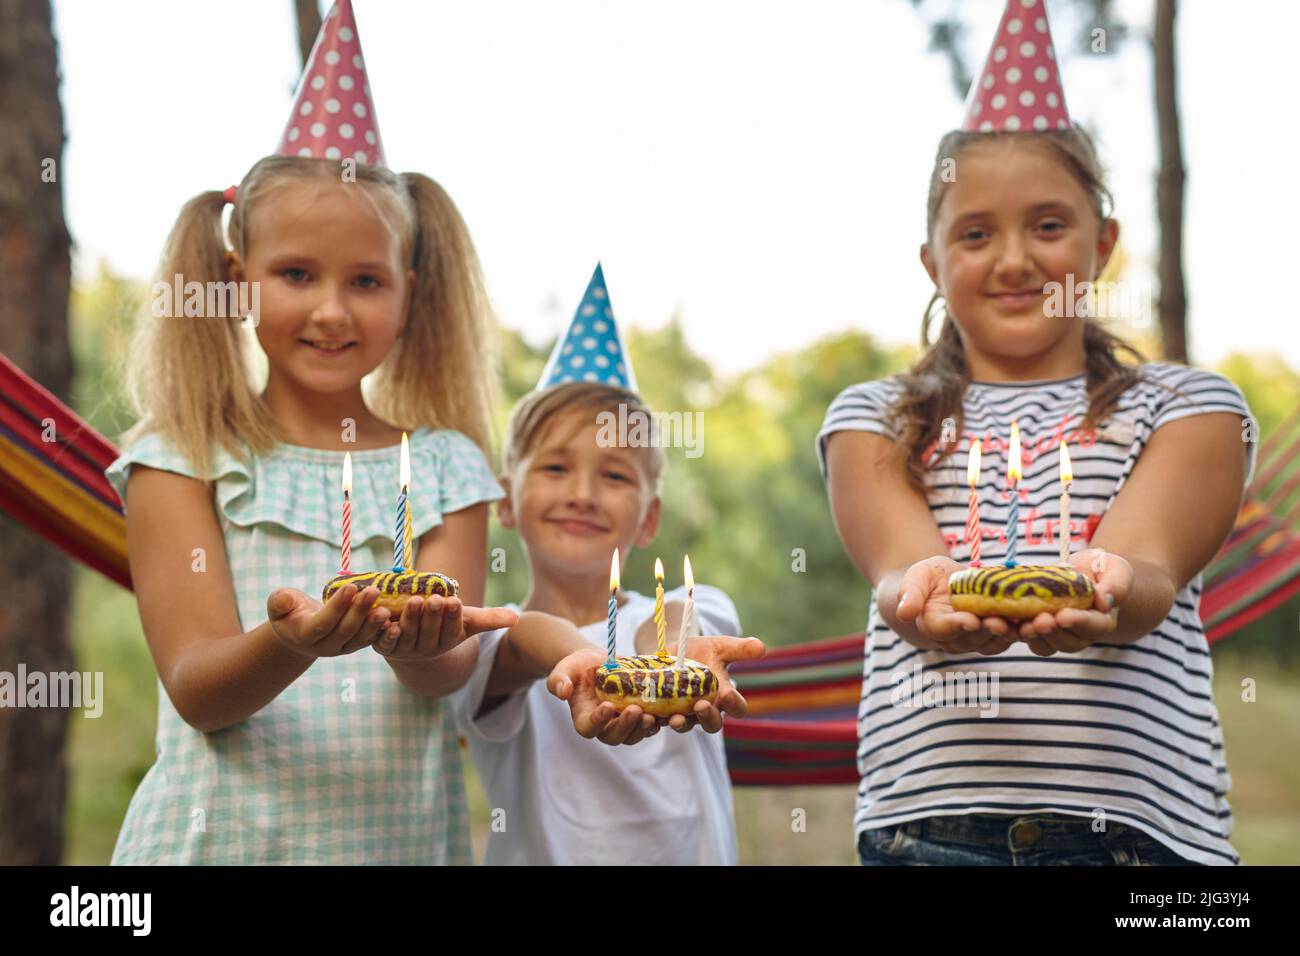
<point x="347" y="512"/>
<point x="973" y="532"/>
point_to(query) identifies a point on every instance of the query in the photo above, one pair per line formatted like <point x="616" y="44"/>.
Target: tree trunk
<point x="1169" y="188"/>
<point x="34" y="277"/>
<point x="309" y="21"/>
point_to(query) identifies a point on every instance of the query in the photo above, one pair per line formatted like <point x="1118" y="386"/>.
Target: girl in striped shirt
<point x="1097" y="740"/>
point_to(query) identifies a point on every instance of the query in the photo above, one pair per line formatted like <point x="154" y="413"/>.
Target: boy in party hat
<point x="557" y="797"/>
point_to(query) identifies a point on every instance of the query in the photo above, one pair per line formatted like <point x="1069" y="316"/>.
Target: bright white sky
<point x="759" y="166"/>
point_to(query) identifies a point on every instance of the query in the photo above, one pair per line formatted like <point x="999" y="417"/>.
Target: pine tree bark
<point x="35" y="271"/>
<point x="1170" y="183"/>
<point x="309" y="21"/>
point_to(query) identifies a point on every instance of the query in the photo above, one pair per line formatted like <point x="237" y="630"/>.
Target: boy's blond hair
<point x="537" y="410"/>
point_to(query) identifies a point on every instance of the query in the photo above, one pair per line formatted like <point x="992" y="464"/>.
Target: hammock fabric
<point x="52" y="475"/>
<point x="802" y="723"/>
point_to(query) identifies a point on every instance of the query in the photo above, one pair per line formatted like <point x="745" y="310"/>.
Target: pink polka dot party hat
<point x="333" y="115"/>
<point x="1020" y="86"/>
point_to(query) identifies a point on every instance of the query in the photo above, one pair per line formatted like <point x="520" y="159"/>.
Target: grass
<point x="1261" y="739"/>
<point x="108" y="756"/>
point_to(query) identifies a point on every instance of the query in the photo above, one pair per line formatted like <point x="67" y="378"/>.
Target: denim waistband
<point x="1041" y="831"/>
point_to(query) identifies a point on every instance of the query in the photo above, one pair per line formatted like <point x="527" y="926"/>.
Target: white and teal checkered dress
<point x="346" y="765"/>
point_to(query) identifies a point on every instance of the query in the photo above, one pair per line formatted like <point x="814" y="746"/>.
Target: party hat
<point x="593" y="349"/>
<point x="333" y="116"/>
<point x="1020" y="86"/>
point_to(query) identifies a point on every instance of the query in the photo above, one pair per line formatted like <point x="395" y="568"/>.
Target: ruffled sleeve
<point x="301" y="489"/>
<point x="154" y="450"/>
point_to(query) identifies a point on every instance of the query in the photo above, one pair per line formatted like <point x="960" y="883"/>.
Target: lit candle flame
<point x="347" y="473"/>
<point x="1067" y="473"/>
<point x="1013" y="458"/>
<point x="613" y="572"/>
<point x="659" y="572"/>
<point x="690" y="578"/>
<point x="406" y="463"/>
<point x="973" y="463"/>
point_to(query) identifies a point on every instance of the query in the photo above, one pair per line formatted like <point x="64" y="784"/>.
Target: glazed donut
<point x="654" y="684"/>
<point x="396" y="587"/>
<point x="1020" y="592"/>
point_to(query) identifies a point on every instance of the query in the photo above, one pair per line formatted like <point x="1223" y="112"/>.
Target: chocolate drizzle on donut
<point x="656" y="677"/>
<point x="409" y="583"/>
<point x="1007" y="583"/>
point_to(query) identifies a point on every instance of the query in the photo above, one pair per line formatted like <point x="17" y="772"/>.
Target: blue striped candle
<point x="613" y="607"/>
<point x="399" y="533"/>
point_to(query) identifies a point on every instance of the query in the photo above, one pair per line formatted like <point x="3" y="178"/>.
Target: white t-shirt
<point x="558" y="798"/>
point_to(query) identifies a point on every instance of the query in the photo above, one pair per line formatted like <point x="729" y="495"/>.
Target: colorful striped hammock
<point x="52" y="475"/>
<point x="803" y="698"/>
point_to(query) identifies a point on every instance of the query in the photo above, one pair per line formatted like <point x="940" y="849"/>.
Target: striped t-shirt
<point x="1128" y="729"/>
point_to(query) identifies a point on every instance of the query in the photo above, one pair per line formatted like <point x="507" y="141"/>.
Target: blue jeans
<point x="988" y="839"/>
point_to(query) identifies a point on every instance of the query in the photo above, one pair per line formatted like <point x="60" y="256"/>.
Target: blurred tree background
<point x="743" y="510"/>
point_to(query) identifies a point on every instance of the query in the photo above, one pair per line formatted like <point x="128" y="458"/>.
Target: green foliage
<point x="103" y="314"/>
<point x="1271" y="387"/>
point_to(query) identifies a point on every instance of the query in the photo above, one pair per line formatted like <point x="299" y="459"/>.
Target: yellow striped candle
<point x="661" y="622"/>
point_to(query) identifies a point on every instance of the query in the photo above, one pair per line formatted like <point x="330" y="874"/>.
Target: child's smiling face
<point x="1014" y="220"/>
<point x="334" y="287"/>
<point x="573" y="502"/>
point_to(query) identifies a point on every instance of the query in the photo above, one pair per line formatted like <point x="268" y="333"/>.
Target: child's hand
<point x="923" y="601"/>
<point x="715" y="653"/>
<point x="430" y="627"/>
<point x="1070" y="629"/>
<point x="574" y="679"/>
<point x="340" y="626"/>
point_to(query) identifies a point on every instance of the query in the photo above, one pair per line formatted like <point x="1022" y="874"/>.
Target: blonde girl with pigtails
<point x="291" y="731"/>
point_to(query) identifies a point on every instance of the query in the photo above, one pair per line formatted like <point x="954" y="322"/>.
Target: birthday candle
<point x="1013" y="477"/>
<point x="613" y="607"/>
<point x="1067" y="478"/>
<point x="399" y="532"/>
<point x="688" y="615"/>
<point x="347" y="512"/>
<point x="408" y="559"/>
<point x="661" y="622"/>
<point x="973" y="515"/>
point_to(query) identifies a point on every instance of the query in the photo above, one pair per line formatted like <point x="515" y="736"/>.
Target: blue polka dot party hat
<point x="593" y="349"/>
